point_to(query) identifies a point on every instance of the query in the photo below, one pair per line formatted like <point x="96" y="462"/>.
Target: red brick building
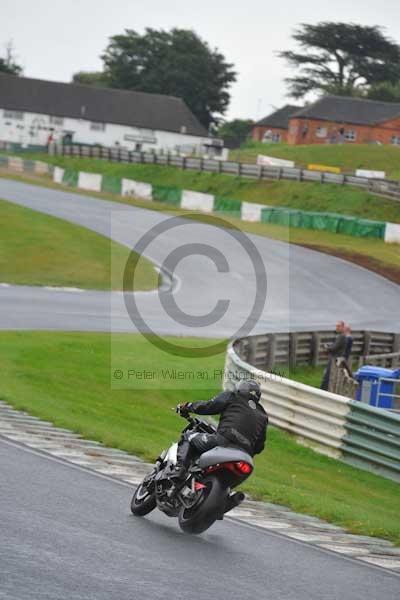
<point x="338" y="119"/>
<point x="274" y="127"/>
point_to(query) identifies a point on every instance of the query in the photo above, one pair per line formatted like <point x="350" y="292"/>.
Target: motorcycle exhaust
<point x="234" y="500"/>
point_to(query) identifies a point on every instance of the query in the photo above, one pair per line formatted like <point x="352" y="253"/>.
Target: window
<point x="267" y="136"/>
<point x="56" y="121"/>
<point x="96" y="126"/>
<point x="321" y="132"/>
<point x="13" y="114"/>
<point x="276" y="137"/>
<point x="396" y="140"/>
<point x="350" y="135"/>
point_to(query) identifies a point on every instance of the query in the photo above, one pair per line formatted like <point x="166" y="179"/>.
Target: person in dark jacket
<point x="335" y="350"/>
<point x="243" y="424"/>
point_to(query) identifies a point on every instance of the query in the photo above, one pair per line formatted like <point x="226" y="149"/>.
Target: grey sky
<point x="54" y="38"/>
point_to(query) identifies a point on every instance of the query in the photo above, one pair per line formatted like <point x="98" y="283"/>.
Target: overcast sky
<point x="55" y="38"/>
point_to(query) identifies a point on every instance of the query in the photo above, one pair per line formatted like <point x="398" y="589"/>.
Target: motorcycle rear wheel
<point x="207" y="509"/>
<point x="143" y="501"/>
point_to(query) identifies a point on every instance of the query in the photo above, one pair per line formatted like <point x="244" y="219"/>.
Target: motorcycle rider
<point x="243" y="424"/>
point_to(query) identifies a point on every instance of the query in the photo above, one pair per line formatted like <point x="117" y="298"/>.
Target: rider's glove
<point x="183" y="409"/>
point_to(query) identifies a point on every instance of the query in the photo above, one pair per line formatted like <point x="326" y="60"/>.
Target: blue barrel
<point x="373" y="391"/>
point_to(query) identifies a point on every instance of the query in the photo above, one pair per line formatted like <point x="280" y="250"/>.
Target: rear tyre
<point x="143" y="501"/>
<point x="208" y="508"/>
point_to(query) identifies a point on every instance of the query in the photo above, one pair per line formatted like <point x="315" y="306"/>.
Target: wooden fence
<point x="268" y="351"/>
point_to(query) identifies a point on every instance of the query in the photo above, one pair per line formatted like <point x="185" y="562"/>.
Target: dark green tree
<point x="341" y="58"/>
<point x="8" y="64"/>
<point x="177" y="63"/>
<point x="235" y="132"/>
<point x="97" y="78"/>
<point x="385" y="91"/>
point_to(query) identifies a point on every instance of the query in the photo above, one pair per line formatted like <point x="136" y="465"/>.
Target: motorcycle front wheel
<point x="207" y="508"/>
<point x="143" y="501"/>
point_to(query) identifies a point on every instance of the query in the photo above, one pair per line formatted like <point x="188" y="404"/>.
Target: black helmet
<point x="249" y="387"/>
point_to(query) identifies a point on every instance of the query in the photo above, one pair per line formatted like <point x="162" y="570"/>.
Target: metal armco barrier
<point x="373" y="439"/>
<point x="378" y="186"/>
<point x="364" y="436"/>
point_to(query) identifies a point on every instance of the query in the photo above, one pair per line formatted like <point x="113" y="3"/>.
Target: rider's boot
<point x="183" y="460"/>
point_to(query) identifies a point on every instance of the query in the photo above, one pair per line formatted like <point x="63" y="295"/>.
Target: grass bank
<point x="37" y="249"/>
<point x="349" y="157"/>
<point x="65" y="378"/>
<point x="301" y="195"/>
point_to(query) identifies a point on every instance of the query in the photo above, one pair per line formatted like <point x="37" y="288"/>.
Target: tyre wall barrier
<point x="191" y="200"/>
<point x="246" y="211"/>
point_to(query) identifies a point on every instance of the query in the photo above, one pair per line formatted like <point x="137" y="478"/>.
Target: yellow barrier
<point x="324" y="168"/>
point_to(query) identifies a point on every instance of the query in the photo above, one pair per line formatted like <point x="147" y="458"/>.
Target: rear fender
<point x="222" y="454"/>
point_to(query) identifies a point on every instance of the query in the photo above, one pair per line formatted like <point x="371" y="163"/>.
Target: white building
<point x="32" y="111"/>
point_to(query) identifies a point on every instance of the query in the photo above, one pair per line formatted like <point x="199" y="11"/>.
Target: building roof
<point x="106" y="105"/>
<point x="279" y="118"/>
<point x="342" y="109"/>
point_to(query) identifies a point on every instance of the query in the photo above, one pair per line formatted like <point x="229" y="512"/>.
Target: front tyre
<point x="207" y="508"/>
<point x="143" y="501"/>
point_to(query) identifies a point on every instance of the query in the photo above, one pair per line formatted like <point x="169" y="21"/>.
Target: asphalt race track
<point x="68" y="533"/>
<point x="305" y="289"/>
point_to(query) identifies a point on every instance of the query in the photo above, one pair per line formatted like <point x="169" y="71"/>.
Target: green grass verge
<point x="349" y="157"/>
<point x="305" y="374"/>
<point x="304" y="196"/>
<point x="65" y="378"/>
<point x="38" y="249"/>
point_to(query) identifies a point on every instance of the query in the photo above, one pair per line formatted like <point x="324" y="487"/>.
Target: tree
<point x="96" y="78"/>
<point x="235" y="132"/>
<point x="8" y="64"/>
<point x="385" y="91"/>
<point x="176" y="63"/>
<point x="341" y="58"/>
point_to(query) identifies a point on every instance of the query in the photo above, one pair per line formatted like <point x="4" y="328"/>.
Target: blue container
<point x="372" y="390"/>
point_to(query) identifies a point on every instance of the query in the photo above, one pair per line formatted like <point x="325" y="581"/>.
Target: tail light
<point x="244" y="467"/>
<point x="240" y="467"/>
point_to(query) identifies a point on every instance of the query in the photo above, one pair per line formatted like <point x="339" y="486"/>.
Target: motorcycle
<point x="205" y="493"/>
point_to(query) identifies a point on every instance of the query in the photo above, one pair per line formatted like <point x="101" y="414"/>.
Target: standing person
<point x="335" y="350"/>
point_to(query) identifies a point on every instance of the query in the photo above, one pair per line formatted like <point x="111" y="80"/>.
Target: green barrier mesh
<point x="325" y="222"/>
<point x="306" y="220"/>
<point x="70" y="177"/>
<point x="266" y="214"/>
<point x="29" y="165"/>
<point x="226" y="205"/>
<point x="366" y="228"/>
<point x="347" y="225"/>
<point x="111" y="184"/>
<point x="295" y="218"/>
<point x="169" y="195"/>
<point x="286" y="216"/>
